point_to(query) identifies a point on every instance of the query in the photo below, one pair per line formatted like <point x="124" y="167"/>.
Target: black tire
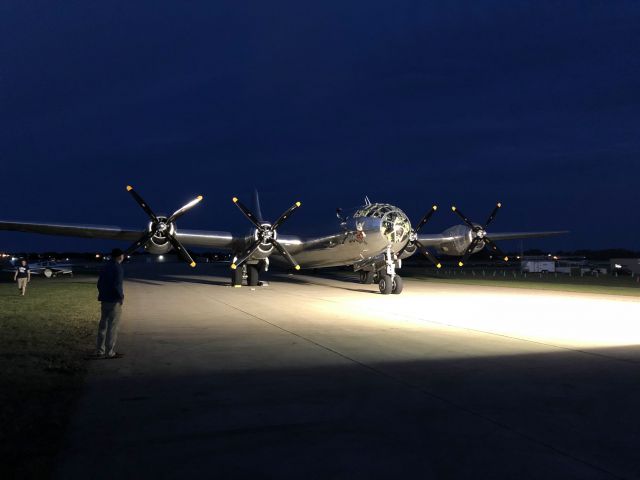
<point x="366" y="277"/>
<point x="398" y="285"/>
<point x="385" y="284"/>
<point x="236" y="277"/>
<point x="253" y="275"/>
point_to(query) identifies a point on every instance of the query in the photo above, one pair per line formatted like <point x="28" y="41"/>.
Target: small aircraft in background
<point x="373" y="239"/>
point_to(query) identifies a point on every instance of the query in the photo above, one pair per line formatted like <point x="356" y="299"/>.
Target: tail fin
<point x="256" y="205"/>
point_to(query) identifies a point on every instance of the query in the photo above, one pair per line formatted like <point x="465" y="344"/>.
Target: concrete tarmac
<point x="313" y="377"/>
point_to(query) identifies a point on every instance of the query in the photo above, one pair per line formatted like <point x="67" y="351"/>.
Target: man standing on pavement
<point x="23" y="276"/>
<point x="111" y="296"/>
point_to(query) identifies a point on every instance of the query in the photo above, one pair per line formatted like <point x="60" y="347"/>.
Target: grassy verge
<point x="44" y="339"/>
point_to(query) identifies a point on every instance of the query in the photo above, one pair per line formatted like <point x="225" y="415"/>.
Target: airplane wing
<point x="518" y="235"/>
<point x="195" y="238"/>
<point x="437" y="239"/>
<point x="86" y="231"/>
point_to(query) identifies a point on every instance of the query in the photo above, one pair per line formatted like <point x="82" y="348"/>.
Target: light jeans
<point x="108" y="328"/>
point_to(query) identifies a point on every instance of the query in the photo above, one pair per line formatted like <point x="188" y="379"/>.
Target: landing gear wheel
<point x="48" y="272"/>
<point x="398" y="284"/>
<point x="253" y="275"/>
<point x="236" y="277"/>
<point x="366" y="277"/>
<point x="385" y="284"/>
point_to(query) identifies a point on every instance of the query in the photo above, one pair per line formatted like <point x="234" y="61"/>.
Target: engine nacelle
<point x="457" y="240"/>
<point x="266" y="248"/>
<point x="157" y="248"/>
<point x="159" y="243"/>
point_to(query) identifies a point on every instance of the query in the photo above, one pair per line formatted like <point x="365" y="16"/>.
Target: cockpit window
<point x="395" y="225"/>
<point x="375" y="210"/>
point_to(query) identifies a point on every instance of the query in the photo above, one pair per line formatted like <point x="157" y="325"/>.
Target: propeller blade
<point x="429" y="255"/>
<point x="142" y="203"/>
<point x="285" y="254"/>
<point x="493" y="214"/>
<point x="181" y="211"/>
<point x="463" y="217"/>
<point x="491" y="245"/>
<point x="140" y="242"/>
<point x="467" y="253"/>
<point x="285" y="215"/>
<point x="181" y="251"/>
<point x="248" y="252"/>
<point x="426" y="218"/>
<point x="247" y="213"/>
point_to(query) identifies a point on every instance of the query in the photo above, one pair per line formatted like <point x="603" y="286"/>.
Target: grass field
<point x="44" y="339"/>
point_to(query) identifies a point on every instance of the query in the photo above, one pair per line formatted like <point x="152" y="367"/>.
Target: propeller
<point x="163" y="227"/>
<point x="479" y="234"/>
<point x="265" y="233"/>
<point x="413" y="239"/>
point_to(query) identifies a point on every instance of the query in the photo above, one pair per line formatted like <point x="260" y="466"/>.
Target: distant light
<point x="97" y="255"/>
<point x="161" y="257"/>
<point x="13" y="259"/>
<point x="66" y="259"/>
<point x="617" y="265"/>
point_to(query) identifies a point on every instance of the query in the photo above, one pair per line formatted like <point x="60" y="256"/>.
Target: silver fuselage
<point x="364" y="235"/>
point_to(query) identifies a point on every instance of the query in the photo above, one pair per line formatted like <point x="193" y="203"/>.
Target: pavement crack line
<point x="430" y="394"/>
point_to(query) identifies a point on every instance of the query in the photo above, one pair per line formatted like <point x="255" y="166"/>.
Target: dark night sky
<point x="535" y="104"/>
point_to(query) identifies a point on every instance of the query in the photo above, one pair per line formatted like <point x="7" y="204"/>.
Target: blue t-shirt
<point x="23" y="271"/>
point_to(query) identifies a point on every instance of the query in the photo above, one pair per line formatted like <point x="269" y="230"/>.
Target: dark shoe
<point x="114" y="356"/>
<point x="95" y="356"/>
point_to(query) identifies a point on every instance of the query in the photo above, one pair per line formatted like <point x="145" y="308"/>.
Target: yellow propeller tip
<point x="233" y="266"/>
<point x="460" y="264"/>
<point x="453" y="208"/>
<point x="439" y="265"/>
<point x="200" y="197"/>
<point x="435" y="207"/>
<point x="129" y="188"/>
<point x="506" y="259"/>
<point x="298" y="204"/>
<point x="499" y="205"/>
<point x="192" y="264"/>
<point x="297" y="267"/>
<point x="235" y="199"/>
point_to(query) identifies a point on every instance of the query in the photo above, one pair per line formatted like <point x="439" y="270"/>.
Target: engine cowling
<point x="459" y="237"/>
<point x="159" y="244"/>
<point x="266" y="247"/>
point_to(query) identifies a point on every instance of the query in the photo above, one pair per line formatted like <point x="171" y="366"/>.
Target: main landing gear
<point x="386" y="277"/>
<point x="249" y="271"/>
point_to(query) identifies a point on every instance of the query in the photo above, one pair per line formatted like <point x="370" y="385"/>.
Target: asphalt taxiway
<point x="319" y="378"/>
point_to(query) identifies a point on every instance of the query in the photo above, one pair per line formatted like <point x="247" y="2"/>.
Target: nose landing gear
<point x="383" y="272"/>
<point x="386" y="277"/>
<point x="390" y="284"/>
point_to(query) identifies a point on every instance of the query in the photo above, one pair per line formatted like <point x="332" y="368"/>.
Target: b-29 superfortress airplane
<point x="374" y="239"/>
